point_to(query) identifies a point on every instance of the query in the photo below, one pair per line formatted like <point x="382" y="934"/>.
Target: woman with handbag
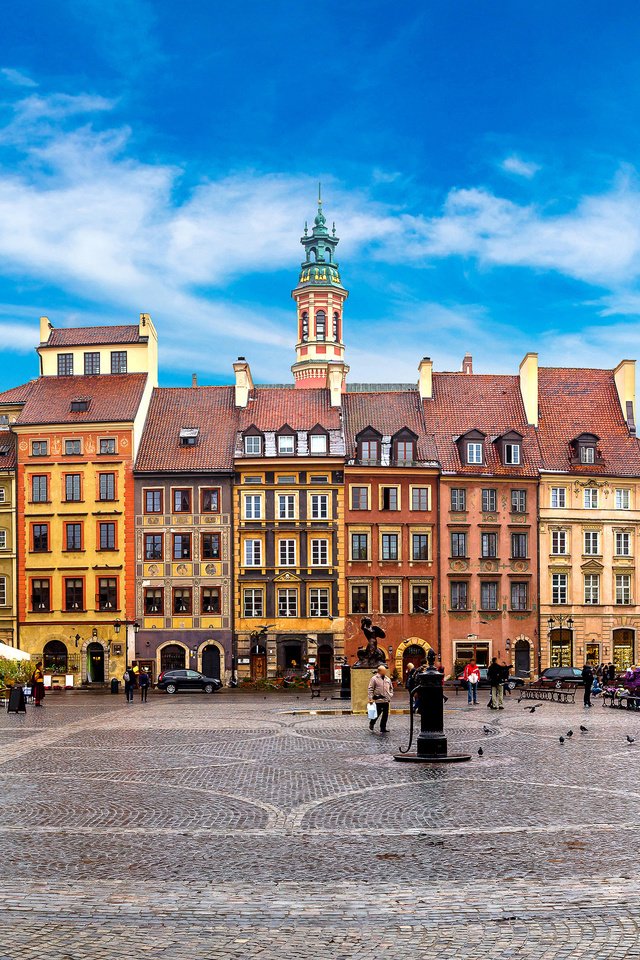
<point x="380" y="696"/>
<point x="471" y="675"/>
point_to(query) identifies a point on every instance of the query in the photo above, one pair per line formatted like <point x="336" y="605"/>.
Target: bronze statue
<point x="371" y="655"/>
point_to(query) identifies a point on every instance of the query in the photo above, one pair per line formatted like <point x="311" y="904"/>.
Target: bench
<point x="623" y="700"/>
<point x="554" y="693"/>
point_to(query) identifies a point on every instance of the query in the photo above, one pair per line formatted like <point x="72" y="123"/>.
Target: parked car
<point x="511" y="683"/>
<point x="175" y="680"/>
<point x="555" y="676"/>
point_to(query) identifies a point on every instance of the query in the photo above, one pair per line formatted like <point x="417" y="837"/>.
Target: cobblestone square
<point x="239" y="826"/>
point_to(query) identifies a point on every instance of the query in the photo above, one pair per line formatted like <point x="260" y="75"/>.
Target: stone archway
<point x="207" y="657"/>
<point x="172" y="655"/>
<point x="409" y="642"/>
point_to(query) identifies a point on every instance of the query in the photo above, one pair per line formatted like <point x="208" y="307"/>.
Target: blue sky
<point x="480" y="161"/>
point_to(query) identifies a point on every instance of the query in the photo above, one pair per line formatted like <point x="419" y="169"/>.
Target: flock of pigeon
<point x="561" y="739"/>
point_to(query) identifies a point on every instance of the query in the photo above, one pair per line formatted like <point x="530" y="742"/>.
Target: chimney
<point x="45" y="329"/>
<point x="336" y="373"/>
<point x="244" y="381"/>
<point x="425" y="378"/>
<point x="145" y="322"/>
<point x="467" y="363"/>
<point x="625" y="379"/>
<point x="194" y="379"/>
<point x="529" y="387"/>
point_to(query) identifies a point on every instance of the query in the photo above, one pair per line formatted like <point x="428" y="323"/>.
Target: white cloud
<point x="18" y="337"/>
<point x="17" y="78"/>
<point x="518" y="166"/>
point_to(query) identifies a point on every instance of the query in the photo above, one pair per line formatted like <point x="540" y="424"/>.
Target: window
<point x="286" y="506"/>
<point x="210" y="500"/>
<point x="390" y="598"/>
<point x="107" y="488"/>
<point x="118" y="361"/>
<point x="73" y="536"/>
<point x="252" y="506"/>
<point x="3" y="539"/>
<point x="107" y="593"/>
<point x="519" y="546"/>
<point x="623" y="544"/>
<point x="153" y="600"/>
<point x="459" y="594"/>
<point x="623" y="499"/>
<point x="489" y="501"/>
<point x="304" y="330"/>
<point x="153" y="546"/>
<point x="107" y="536"/>
<point x="623" y="588"/>
<point x="182" y="501"/>
<point x="3" y="495"/>
<point x="41" y="596"/>
<point x="592" y="588"/>
<point x="458" y="499"/>
<point x="286" y="444"/>
<point x="519" y="596"/>
<point x="321" y="325"/>
<point x="72" y="487"/>
<point x="359" y="498"/>
<point x="319" y="506"/>
<point x="79" y="406"/>
<point x="512" y="453"/>
<point x="559" y="588"/>
<point x="65" y="364"/>
<point x="107" y="445"/>
<point x="404" y="452"/>
<point x="336" y="317"/>
<point x="3" y="591"/>
<point x="182" y="600"/>
<point x="420" y="546"/>
<point x="420" y="498"/>
<point x="182" y="546"/>
<point x="591" y="498"/>
<point x="587" y="454"/>
<point x="287" y="553"/>
<point x="458" y="545"/>
<point x="319" y="602"/>
<point x="282" y="479"/>
<point x="317" y="443"/>
<point x="559" y="542"/>
<point x="92" y="363"/>
<point x="420" y="598"/>
<point x="558" y="497"/>
<point x="390" y="498"/>
<point x="210" y="600"/>
<point x="253" y="605"/>
<point x="39" y="448"/>
<point x="474" y="453"/>
<point x="369" y="451"/>
<point x="40" y="489"/>
<point x="319" y="553"/>
<point x="40" y="537"/>
<point x="389" y="543"/>
<point x="253" y="446"/>
<point x="210" y="546"/>
<point x="518" y="501"/>
<point x="359" y="546"/>
<point x="489" y="545"/>
<point x="252" y="553"/>
<point x="153" y="501"/>
<point x="287" y="602"/>
<point x="189" y="436"/>
<point x="359" y="598"/>
<point x="489" y="595"/>
<point x="73" y="595"/>
<point x="591" y="542"/>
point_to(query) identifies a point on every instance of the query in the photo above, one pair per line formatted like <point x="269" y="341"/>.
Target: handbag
<point x="372" y="711"/>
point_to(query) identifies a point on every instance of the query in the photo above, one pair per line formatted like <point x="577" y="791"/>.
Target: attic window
<point x="286" y="444"/>
<point x="512" y="453"/>
<point x="4" y="451"/>
<point x="584" y="449"/>
<point x="189" y="436"/>
<point x="587" y="454"/>
<point x="79" y="406"/>
<point x="474" y="452"/>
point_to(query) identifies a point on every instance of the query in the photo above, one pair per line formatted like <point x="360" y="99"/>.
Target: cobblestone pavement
<point x="239" y="826"/>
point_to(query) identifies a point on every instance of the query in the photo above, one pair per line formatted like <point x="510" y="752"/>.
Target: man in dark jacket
<point x="494" y="676"/>
<point x="587" y="679"/>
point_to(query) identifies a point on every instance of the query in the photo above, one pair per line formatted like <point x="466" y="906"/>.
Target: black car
<point x="555" y="676"/>
<point x="174" y="680"/>
<point x="511" y="683"/>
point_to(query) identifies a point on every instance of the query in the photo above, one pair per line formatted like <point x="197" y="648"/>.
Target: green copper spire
<point x="320" y="265"/>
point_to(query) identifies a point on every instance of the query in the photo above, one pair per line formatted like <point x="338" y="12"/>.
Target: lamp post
<point x="560" y="619"/>
<point x="131" y="634"/>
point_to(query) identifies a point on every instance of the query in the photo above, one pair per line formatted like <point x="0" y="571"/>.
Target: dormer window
<point x="318" y="441"/>
<point x="510" y="448"/>
<point x="253" y="445"/>
<point x="189" y="436"/>
<point x="403" y="447"/>
<point x="512" y="453"/>
<point x="587" y="454"/>
<point x="584" y="449"/>
<point x="471" y="447"/>
<point x="474" y="452"/>
<point x="79" y="406"/>
<point x="286" y="445"/>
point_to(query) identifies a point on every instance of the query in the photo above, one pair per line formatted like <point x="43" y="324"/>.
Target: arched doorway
<point x="623" y="648"/>
<point x="290" y="656"/>
<point x="522" y="658"/>
<point x="172" y="657"/>
<point x="325" y="662"/>
<point x="258" y="662"/>
<point x="55" y="658"/>
<point x="419" y="647"/>
<point x="95" y="662"/>
<point x="561" y="647"/>
<point x="412" y="654"/>
<point x="211" y="661"/>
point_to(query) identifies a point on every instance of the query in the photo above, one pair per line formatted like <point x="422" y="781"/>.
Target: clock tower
<point x="320" y="297"/>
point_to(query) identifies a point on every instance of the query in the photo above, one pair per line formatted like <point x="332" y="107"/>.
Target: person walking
<point x="495" y="676"/>
<point x="587" y="679"/>
<point x="380" y="693"/>
<point x="144" y="683"/>
<point x="37" y="684"/>
<point x="471" y="674"/>
<point x="129" y="684"/>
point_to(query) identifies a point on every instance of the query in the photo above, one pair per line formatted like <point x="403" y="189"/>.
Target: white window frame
<point x="559" y="589"/>
<point x="623" y="498"/>
<point x="319" y="547"/>
<point x="559" y="543"/>
<point x="3" y="592"/>
<point x="288" y="501"/>
<point x="319" y="506"/>
<point x="287" y="602"/>
<point x="512" y="454"/>
<point x="252" y="550"/>
<point x="622" y="538"/>
<point x="623" y="589"/>
<point x="592" y="588"/>
<point x="591" y="543"/>
<point x="590" y="498"/>
<point x="287" y="552"/>
<point x="286" y="445"/>
<point x="316" y="605"/>
<point x="416" y="495"/>
<point x="3" y="539"/>
<point x="474" y="452"/>
<point x="559" y="495"/>
<point x="318" y="443"/>
<point x="2" y="495"/>
<point x="587" y="454"/>
<point x="249" y="503"/>
<point x="256" y="439"/>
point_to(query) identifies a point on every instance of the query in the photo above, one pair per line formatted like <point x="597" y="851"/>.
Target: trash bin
<point x="115" y="685"/>
<point x="345" y="683"/>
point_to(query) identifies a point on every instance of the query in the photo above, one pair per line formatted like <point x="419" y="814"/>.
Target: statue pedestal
<point x="360" y="678"/>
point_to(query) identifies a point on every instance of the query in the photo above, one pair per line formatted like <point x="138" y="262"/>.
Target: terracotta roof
<point x="575" y="401"/>
<point x="17" y="394"/>
<point x="210" y="410"/>
<point x="271" y="408"/>
<point x="8" y="443"/>
<point x="114" y="397"/>
<point x="387" y="413"/>
<point x="92" y="336"/>
<point x="486" y="402"/>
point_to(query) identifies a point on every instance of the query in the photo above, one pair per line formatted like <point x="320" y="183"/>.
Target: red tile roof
<point x="486" y="402"/>
<point x="8" y="460"/>
<point x="17" y="394"/>
<point x="114" y="397"/>
<point x="93" y="336"/>
<point x="270" y="408"/>
<point x="575" y="401"/>
<point x="210" y="409"/>
<point x="387" y="413"/>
